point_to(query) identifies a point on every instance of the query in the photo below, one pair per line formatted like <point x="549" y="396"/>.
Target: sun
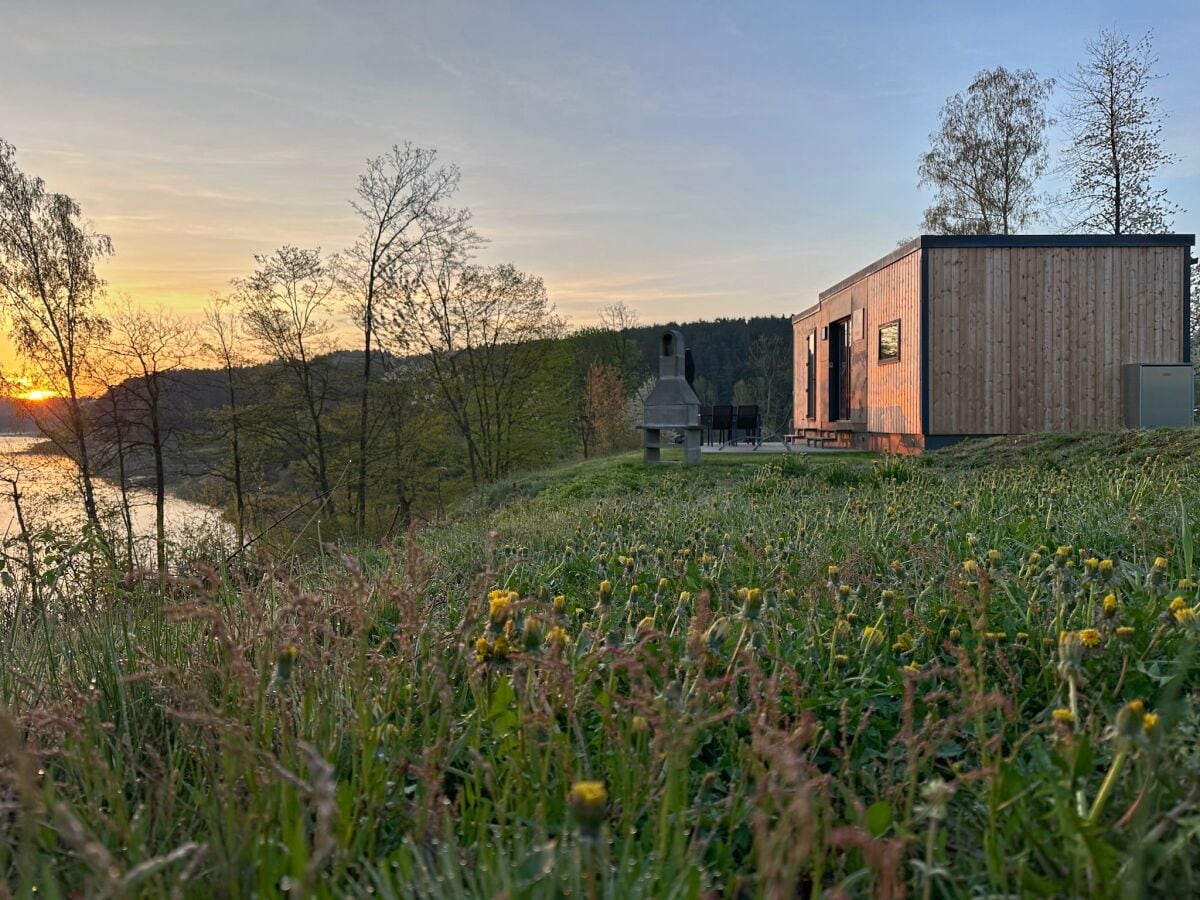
<point x="36" y="396"/>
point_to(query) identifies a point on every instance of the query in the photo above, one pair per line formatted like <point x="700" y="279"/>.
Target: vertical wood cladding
<point x="1033" y="339"/>
<point x="883" y="397"/>
<point x="894" y="388"/>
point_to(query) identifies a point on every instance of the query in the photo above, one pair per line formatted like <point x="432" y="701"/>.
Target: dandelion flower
<point x="1149" y="721"/>
<point x="483" y="649"/>
<point x="969" y="566"/>
<point x="639" y="725"/>
<point x="605" y="590"/>
<point x="556" y="639"/>
<point x="1064" y="715"/>
<point x="588" y="801"/>
<point x="1125" y="633"/>
<point x="559" y="602"/>
<point x="499" y="606"/>
<point x="1089" y="637"/>
<point x="1110" y="606"/>
<point x="1177" y="604"/>
<point x="531" y="633"/>
<point x="872" y="636"/>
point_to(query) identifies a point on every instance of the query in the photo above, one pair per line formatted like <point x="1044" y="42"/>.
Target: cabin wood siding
<point x="1033" y="339"/>
<point x="883" y="398"/>
<point x="894" y="388"/>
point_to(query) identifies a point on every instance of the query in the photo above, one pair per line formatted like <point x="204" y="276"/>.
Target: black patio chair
<point x="706" y="415"/>
<point x="747" y="423"/>
<point x="722" y="423"/>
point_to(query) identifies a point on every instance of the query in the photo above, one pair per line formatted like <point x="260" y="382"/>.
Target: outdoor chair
<point x="747" y="424"/>
<point x="722" y="423"/>
<point x="706" y="415"/>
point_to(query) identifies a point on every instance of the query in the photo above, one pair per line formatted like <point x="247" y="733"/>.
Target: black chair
<point x="722" y="422"/>
<point x="706" y="413"/>
<point x="748" y="423"/>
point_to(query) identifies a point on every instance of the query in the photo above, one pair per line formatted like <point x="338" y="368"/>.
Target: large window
<point x="889" y="342"/>
<point x="811" y="376"/>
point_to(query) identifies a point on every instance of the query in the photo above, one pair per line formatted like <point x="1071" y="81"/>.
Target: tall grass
<point x="835" y="678"/>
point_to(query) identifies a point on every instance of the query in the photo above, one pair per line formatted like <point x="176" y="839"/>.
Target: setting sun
<point x="36" y="396"/>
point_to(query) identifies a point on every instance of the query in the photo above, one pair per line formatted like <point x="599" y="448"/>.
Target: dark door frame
<point x="839" y="370"/>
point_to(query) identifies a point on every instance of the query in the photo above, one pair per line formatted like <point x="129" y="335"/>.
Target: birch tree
<point x="1114" y="124"/>
<point x="987" y="155"/>
<point x="480" y="328"/>
<point x="49" y="288"/>
<point x="401" y="200"/>
<point x="285" y="305"/>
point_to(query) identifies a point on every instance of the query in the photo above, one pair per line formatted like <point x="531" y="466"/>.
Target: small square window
<point x="889" y="341"/>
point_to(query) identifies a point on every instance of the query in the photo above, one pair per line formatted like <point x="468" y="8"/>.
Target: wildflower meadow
<point x="954" y="676"/>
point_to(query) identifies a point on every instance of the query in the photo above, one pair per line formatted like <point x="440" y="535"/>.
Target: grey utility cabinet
<point x="1159" y="395"/>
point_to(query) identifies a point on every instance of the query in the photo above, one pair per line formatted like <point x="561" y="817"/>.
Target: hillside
<point x="609" y="680"/>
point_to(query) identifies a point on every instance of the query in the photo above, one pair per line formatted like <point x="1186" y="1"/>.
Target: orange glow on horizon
<point x="36" y="395"/>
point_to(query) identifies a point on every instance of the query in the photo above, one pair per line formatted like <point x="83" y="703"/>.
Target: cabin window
<point x="889" y="341"/>
<point x="811" y="377"/>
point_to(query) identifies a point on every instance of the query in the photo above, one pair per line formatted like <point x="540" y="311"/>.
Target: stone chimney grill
<point x="672" y="405"/>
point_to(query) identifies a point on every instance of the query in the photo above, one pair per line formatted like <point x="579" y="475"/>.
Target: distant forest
<point x="420" y="459"/>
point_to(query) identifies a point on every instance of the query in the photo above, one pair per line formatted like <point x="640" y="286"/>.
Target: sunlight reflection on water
<point x="51" y="496"/>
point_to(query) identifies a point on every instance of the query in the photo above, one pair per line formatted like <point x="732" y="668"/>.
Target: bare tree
<point x="987" y="155"/>
<point x="601" y="420"/>
<point x="222" y="330"/>
<point x="1114" y="125"/>
<point x="400" y="200"/>
<point x="620" y="319"/>
<point x="480" y="328"/>
<point x="284" y="304"/>
<point x="150" y="345"/>
<point x="49" y="287"/>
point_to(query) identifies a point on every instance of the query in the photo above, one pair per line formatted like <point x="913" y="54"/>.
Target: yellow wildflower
<point x="1149" y="721"/>
<point x="1089" y="637"/>
<point x="1110" y="605"/>
<point x="872" y="636"/>
<point x="969" y="566"/>
<point x="1177" y="604"/>
<point x="499" y="606"/>
<point x="639" y="725"/>
<point x="1125" y="633"/>
<point x="1064" y="715"/>
<point x="556" y="638"/>
<point x="605" y="589"/>
<point x="588" y="800"/>
<point x="559" y="602"/>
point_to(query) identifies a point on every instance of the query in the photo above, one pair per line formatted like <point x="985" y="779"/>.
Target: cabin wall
<point x="884" y="398"/>
<point x="1033" y="339"/>
<point x="894" y="388"/>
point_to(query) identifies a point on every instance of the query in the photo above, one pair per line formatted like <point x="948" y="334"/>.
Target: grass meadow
<point x="971" y="674"/>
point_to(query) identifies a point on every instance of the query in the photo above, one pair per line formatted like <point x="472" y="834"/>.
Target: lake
<point x="50" y="496"/>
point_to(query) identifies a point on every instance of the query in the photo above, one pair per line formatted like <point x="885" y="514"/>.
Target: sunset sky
<point x="692" y="159"/>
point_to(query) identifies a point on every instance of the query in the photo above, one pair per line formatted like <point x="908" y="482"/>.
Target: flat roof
<point x="935" y="241"/>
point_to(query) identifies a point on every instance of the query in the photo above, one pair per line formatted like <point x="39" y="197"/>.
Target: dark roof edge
<point x="980" y="241"/>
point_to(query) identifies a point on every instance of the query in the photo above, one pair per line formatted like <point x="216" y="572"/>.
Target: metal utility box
<point x="1159" y="395"/>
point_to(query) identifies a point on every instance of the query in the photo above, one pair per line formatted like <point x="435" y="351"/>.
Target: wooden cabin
<point x="955" y="336"/>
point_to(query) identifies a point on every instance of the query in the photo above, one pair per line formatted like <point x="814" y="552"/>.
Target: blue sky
<point x="692" y="159"/>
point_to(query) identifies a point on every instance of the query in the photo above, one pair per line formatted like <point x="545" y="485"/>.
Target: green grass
<point x="763" y="725"/>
